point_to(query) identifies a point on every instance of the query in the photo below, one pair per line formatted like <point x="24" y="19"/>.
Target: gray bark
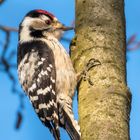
<point x="104" y="107"/>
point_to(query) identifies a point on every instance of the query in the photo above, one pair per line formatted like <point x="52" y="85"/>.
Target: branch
<point x="7" y="66"/>
<point x="1" y="1"/>
<point x="8" y="29"/>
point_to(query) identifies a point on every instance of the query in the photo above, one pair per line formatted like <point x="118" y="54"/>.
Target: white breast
<point x="65" y="73"/>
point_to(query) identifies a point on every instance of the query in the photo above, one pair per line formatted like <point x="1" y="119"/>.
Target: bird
<point x="46" y="72"/>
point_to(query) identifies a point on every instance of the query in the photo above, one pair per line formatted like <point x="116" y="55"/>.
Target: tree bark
<point x="104" y="107"/>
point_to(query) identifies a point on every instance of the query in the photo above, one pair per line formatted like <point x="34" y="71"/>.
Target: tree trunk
<point x="104" y="107"/>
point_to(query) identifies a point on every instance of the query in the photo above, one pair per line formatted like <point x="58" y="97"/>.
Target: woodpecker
<point x="46" y="72"/>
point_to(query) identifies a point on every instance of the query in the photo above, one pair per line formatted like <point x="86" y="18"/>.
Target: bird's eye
<point x="48" y="22"/>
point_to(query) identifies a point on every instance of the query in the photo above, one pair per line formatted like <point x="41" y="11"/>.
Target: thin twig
<point x="1" y="1"/>
<point x="9" y="29"/>
<point x="6" y="65"/>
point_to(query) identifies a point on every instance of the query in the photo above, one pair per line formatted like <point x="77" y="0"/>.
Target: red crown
<point x="46" y="13"/>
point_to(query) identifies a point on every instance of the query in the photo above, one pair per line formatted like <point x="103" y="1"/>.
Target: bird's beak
<point x="65" y="28"/>
<point x="60" y="26"/>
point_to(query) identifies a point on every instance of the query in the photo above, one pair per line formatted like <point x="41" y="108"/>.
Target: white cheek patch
<point x="25" y="32"/>
<point x="29" y="21"/>
<point x="25" y="35"/>
<point x="43" y="17"/>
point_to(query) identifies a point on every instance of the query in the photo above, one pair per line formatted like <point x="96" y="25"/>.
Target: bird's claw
<point x="91" y="63"/>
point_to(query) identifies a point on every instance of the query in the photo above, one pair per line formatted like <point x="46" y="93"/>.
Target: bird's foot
<point x="84" y="74"/>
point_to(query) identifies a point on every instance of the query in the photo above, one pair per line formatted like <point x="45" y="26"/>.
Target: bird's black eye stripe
<point x="35" y="33"/>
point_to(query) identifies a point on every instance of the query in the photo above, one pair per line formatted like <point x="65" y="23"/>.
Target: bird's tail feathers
<point x="71" y="126"/>
<point x="67" y="120"/>
<point x="54" y="130"/>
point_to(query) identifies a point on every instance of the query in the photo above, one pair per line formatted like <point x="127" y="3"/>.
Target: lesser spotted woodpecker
<point x="46" y="72"/>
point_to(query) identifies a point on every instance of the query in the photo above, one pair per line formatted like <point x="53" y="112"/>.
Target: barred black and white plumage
<point x="46" y="72"/>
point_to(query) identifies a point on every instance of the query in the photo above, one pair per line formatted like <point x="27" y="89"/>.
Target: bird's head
<point x="39" y="23"/>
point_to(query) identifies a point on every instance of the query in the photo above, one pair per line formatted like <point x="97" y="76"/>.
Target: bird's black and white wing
<point x="36" y="69"/>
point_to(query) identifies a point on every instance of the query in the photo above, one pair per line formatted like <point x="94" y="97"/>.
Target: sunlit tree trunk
<point x="104" y="107"/>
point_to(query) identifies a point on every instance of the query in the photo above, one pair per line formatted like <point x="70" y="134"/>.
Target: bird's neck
<point x="55" y="34"/>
